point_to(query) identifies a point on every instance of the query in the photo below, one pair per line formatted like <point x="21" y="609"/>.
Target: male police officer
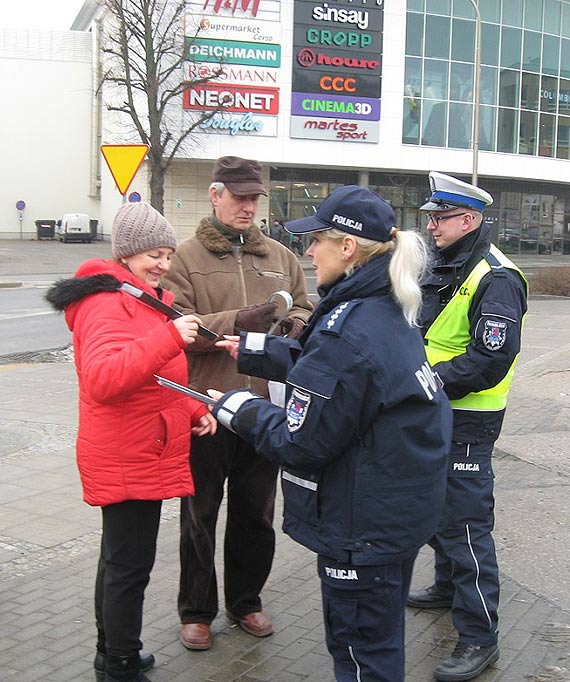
<point x="474" y="303"/>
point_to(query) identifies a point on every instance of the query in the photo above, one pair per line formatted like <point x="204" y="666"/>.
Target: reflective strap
<point x="255" y="342"/>
<point x="310" y="485"/>
<point x="231" y="405"/>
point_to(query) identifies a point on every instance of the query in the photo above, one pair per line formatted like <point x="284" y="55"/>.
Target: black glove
<point x="292" y="327"/>
<point x="255" y="318"/>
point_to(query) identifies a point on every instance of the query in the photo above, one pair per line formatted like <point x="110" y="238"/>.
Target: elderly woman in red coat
<point x="134" y="435"/>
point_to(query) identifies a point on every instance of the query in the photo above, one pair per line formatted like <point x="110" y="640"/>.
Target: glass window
<point x="434" y="123"/>
<point x="533" y="15"/>
<point x="487" y="117"/>
<point x="546" y="135"/>
<point x="463" y="8"/>
<point x="435" y="79"/>
<point x="563" y="141"/>
<point x="439" y="6"/>
<point x="507" y="130"/>
<point x="437" y="37"/>
<point x="512" y="12"/>
<point x="549" y="94"/>
<point x="415" y="34"/>
<point x="413" y="77"/>
<point x="460" y="126"/>
<point x="550" y="55"/>
<point x="411" y="126"/>
<point x="530" y="91"/>
<point x="509" y="88"/>
<point x="490" y="44"/>
<point x="565" y="58"/>
<point x="566" y="20"/>
<point x="531" y="51"/>
<point x="461" y="82"/>
<point x="463" y="40"/>
<point x="564" y="97"/>
<point x="490" y="10"/>
<point x="552" y="16"/>
<point x="527" y="132"/>
<point x="488" y="85"/>
<point x="511" y="47"/>
<point x="416" y="5"/>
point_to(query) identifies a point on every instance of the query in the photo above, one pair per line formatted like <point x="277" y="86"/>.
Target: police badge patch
<point x="296" y="410"/>
<point x="494" y="334"/>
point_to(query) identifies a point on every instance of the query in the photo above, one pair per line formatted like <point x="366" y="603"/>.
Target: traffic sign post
<point x="20" y="206"/>
<point x="124" y="160"/>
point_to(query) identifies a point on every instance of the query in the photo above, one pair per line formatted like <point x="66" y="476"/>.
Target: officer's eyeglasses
<point x="436" y="219"/>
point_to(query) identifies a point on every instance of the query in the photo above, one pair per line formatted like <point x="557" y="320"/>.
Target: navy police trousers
<point x="363" y="608"/>
<point x="465" y="559"/>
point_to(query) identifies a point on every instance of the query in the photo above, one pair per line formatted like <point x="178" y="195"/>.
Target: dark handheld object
<point x="202" y="397"/>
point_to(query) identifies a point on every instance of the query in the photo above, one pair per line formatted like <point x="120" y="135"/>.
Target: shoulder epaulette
<point x="332" y="323"/>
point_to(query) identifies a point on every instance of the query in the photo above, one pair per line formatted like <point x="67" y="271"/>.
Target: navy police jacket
<point x="364" y="436"/>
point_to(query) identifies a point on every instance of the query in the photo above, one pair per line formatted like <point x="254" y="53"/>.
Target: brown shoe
<point x="256" y="624"/>
<point x="196" y="636"/>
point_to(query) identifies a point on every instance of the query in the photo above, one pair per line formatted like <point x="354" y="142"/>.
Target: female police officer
<point x="363" y="439"/>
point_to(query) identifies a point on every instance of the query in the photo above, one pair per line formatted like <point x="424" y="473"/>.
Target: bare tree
<point x="144" y="47"/>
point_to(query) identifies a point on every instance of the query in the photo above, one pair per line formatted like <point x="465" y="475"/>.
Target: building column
<point x="363" y="178"/>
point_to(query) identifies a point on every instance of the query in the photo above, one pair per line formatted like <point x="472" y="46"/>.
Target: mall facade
<point x="369" y="92"/>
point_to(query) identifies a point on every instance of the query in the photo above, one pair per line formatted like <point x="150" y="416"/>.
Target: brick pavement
<point x="49" y="545"/>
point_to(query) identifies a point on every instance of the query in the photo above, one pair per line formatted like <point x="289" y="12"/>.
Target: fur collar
<point x="213" y="240"/>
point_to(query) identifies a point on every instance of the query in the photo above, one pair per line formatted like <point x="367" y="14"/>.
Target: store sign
<point x="357" y="85"/>
<point x="233" y="29"/>
<point x="233" y="74"/>
<point x="328" y="106"/>
<point x="340" y="130"/>
<point x="232" y="52"/>
<point x="236" y="98"/>
<point x="337" y="69"/>
<point x="247" y="124"/>
<point x="267" y="10"/>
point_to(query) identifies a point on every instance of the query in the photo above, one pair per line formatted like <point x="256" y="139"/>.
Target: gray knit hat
<point x="140" y="227"/>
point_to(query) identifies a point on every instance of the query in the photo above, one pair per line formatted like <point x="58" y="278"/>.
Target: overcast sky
<point x="46" y="14"/>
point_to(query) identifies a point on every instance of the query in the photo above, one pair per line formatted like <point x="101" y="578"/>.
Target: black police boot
<point x="466" y="662"/>
<point x="124" y="669"/>
<point x="429" y="598"/>
<point x="146" y="661"/>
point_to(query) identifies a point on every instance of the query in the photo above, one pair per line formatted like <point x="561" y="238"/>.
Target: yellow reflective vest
<point x="449" y="335"/>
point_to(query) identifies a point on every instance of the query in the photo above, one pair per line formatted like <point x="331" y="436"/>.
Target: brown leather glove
<point x="255" y="318"/>
<point x="292" y="327"/>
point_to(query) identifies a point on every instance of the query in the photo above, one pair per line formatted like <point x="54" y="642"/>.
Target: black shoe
<point x="429" y="598"/>
<point x="466" y="662"/>
<point x="124" y="669"/>
<point x="146" y="661"/>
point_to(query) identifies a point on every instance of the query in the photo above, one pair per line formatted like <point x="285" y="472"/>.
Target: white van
<point x="73" y="227"/>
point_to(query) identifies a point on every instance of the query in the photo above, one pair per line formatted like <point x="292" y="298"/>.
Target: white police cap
<point x="448" y="193"/>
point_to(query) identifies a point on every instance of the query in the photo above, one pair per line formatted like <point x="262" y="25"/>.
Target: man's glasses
<point x="436" y="219"/>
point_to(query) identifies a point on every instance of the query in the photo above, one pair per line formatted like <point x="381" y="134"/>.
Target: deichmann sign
<point x="235" y="98"/>
<point x="337" y="69"/>
<point x="334" y="129"/>
<point x="232" y="52"/>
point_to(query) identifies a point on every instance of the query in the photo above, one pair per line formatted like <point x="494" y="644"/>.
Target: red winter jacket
<point x="134" y="435"/>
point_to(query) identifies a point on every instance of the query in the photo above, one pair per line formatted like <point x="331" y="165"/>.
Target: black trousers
<point x="128" y="550"/>
<point x="249" y="543"/>
<point x="363" y="608"/>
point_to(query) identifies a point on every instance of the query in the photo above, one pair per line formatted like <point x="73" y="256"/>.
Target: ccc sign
<point x="338" y="83"/>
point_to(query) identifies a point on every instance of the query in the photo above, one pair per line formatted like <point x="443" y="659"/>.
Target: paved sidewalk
<point x="49" y="546"/>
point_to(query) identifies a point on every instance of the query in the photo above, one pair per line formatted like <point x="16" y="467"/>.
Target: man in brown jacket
<point x="226" y="274"/>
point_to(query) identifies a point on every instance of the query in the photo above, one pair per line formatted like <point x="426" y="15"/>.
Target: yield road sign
<point x="124" y="160"/>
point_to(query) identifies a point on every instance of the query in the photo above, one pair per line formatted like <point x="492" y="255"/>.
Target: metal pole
<point x="476" y="89"/>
